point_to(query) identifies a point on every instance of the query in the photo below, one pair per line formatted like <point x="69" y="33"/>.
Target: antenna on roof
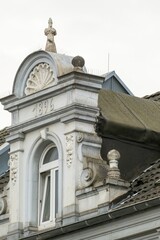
<point x="108" y="62"/>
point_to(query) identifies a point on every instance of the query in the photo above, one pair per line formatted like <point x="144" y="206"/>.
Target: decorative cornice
<point x="74" y="112"/>
<point x="73" y="80"/>
<point x="149" y="219"/>
<point x="15" y="137"/>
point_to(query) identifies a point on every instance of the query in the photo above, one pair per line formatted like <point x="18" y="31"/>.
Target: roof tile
<point x="3" y="134"/>
<point x="154" y="96"/>
<point x="145" y="187"/>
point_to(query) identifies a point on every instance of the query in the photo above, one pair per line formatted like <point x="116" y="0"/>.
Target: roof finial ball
<point x="78" y="63"/>
<point x="113" y="157"/>
<point x="50" y="32"/>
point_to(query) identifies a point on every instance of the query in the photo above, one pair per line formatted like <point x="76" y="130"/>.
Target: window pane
<point x="46" y="204"/>
<point x="51" y="155"/>
<point x="56" y="192"/>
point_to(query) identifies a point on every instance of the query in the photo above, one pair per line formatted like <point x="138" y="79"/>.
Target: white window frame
<point x="51" y="168"/>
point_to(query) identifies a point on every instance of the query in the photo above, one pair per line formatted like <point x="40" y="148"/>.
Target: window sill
<point x="46" y="225"/>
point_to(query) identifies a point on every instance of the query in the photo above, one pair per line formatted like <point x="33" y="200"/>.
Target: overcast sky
<point x="129" y="30"/>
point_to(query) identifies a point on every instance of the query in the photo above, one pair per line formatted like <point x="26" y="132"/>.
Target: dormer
<point x="57" y="175"/>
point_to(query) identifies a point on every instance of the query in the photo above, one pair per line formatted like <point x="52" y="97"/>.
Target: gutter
<point x="111" y="215"/>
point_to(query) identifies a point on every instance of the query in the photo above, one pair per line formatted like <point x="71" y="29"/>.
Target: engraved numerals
<point x="43" y="107"/>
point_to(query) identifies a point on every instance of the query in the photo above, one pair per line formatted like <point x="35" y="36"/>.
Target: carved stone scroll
<point x="94" y="168"/>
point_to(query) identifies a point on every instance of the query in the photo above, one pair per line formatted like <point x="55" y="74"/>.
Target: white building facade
<point x="58" y="182"/>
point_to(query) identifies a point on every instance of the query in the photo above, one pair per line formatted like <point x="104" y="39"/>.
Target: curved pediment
<point x="39" y="71"/>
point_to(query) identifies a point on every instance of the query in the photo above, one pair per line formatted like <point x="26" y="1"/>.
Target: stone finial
<point x="50" y="33"/>
<point x="78" y="63"/>
<point x="113" y="157"/>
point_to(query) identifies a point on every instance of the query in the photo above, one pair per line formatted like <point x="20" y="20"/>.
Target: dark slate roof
<point x="145" y="187"/>
<point x="4" y="179"/>
<point x="4" y="157"/>
<point x="3" y="134"/>
<point x="154" y="96"/>
<point x="128" y="117"/>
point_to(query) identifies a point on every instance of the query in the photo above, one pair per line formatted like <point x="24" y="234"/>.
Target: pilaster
<point x="16" y="173"/>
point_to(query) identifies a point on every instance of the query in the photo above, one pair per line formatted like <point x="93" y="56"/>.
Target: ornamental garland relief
<point x="69" y="150"/>
<point x="13" y="164"/>
<point x="40" y="78"/>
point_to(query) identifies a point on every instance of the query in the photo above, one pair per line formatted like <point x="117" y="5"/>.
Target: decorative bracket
<point x="94" y="168"/>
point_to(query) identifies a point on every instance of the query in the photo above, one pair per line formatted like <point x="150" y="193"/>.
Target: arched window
<point x="44" y="188"/>
<point x="48" y="185"/>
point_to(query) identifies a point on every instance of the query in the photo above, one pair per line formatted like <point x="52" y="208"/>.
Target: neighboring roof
<point x="4" y="157"/>
<point x="113" y="82"/>
<point x="3" y="134"/>
<point x="4" y="179"/>
<point x="154" y="96"/>
<point x="145" y="187"/>
<point x="128" y="117"/>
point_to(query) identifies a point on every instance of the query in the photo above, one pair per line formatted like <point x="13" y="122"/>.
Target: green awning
<point x="129" y="117"/>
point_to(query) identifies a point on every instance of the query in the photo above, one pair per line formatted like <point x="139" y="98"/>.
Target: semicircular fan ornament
<point x="40" y="78"/>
